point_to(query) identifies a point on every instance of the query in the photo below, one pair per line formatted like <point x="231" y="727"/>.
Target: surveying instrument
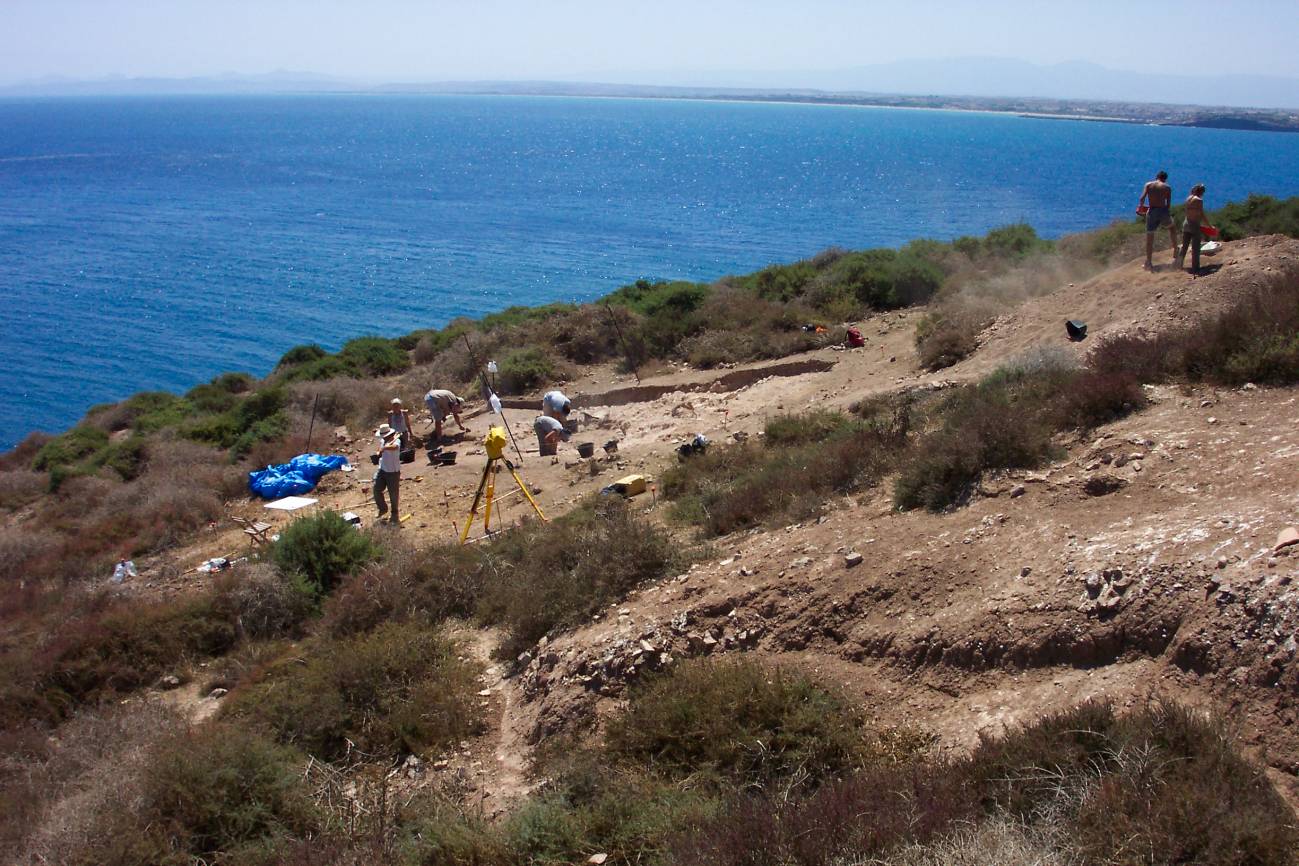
<point x="495" y="444"/>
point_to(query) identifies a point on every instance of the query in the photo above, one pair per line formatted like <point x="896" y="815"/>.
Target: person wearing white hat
<point x="399" y="420"/>
<point x="388" y="477"/>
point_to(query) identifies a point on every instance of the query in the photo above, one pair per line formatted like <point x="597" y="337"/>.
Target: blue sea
<point x="150" y="243"/>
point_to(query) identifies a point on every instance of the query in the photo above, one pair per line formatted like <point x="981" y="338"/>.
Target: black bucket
<point x="443" y="458"/>
<point x="585" y="449"/>
<point x="1076" y="330"/>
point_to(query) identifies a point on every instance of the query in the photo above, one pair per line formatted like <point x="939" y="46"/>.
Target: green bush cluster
<point x="524" y="369"/>
<point x="215" y="794"/>
<point x="1160" y="785"/>
<point x="741" y="722"/>
<point x="398" y="689"/>
<point x="1007" y="421"/>
<point x="541" y="577"/>
<point x="362" y="357"/>
<point x="1007" y="243"/>
<point x="86" y="450"/>
<point x="1257" y="215"/>
<point x="320" y="550"/>
<point x="258" y="417"/>
<point x="790" y="474"/>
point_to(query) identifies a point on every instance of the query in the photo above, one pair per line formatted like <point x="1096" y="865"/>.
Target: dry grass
<point x="1254" y="340"/>
<point x="995" y="842"/>
<point x="53" y="803"/>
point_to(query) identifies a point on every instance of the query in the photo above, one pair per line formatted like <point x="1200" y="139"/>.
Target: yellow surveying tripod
<point x="495" y="445"/>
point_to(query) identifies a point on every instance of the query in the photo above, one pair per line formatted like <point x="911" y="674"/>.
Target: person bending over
<point x="550" y="431"/>
<point x="555" y="405"/>
<point x="442" y="403"/>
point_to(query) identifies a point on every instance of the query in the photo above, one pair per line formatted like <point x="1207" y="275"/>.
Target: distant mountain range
<point x="978" y="77"/>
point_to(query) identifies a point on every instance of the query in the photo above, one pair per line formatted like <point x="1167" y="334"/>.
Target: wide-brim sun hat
<point x="384" y="431"/>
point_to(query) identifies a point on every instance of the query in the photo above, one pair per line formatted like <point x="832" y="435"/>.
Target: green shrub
<point x="1013" y="242"/>
<point x="1160" y="786"/>
<point x="814" y="426"/>
<point x="329" y="367"/>
<point x="592" y="807"/>
<point x="670" y="312"/>
<point x="1258" y="215"/>
<point x="444" y="834"/>
<point x="155" y="410"/>
<point x="997" y="424"/>
<point x="426" y="585"/>
<point x="1007" y="421"/>
<point x="320" y="550"/>
<point x="541" y="577"/>
<point x="525" y="369"/>
<point x="258" y="417"/>
<point x="740" y="486"/>
<point x="72" y="447"/>
<point x="373" y="356"/>
<point x="741" y="722"/>
<point x="264" y="430"/>
<point x="781" y="282"/>
<point x="516" y="316"/>
<point x="397" y="689"/>
<point x="216" y="794"/>
<point x="125" y="457"/>
<point x="221" y="394"/>
<point x="301" y="355"/>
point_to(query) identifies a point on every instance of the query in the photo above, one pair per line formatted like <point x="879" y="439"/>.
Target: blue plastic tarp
<point x="294" y="478"/>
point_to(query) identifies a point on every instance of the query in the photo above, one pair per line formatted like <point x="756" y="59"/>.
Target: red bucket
<point x="1208" y="231"/>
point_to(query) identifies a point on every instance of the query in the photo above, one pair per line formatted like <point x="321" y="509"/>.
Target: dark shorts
<point x="1158" y="218"/>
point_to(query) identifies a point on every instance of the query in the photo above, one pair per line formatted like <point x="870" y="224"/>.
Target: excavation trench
<point x="733" y="381"/>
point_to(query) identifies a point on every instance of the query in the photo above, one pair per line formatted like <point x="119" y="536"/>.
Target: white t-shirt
<point x="553" y="403"/>
<point x="390" y="458"/>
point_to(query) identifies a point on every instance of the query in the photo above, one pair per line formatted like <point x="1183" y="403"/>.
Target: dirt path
<point x="500" y="758"/>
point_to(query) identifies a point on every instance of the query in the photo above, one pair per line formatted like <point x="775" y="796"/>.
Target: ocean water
<point x="152" y="243"/>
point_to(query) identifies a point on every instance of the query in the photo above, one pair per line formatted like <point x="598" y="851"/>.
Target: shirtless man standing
<point x="1160" y="196"/>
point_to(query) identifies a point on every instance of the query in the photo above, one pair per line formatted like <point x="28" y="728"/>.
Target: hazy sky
<point x="673" y="41"/>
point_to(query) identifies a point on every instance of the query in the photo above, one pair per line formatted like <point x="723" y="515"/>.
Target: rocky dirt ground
<point x="1138" y="566"/>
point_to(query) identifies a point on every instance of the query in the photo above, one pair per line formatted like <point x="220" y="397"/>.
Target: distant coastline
<point x="1141" y="114"/>
<point x="1106" y="111"/>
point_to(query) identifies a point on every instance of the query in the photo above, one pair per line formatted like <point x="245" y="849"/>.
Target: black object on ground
<point x="585" y="449"/>
<point x="1076" y="330"/>
<point x="697" y="445"/>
